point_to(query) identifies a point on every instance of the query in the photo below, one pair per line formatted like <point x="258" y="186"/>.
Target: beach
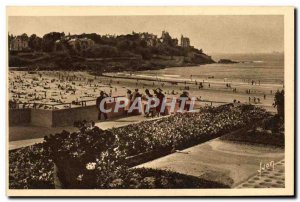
<point x="82" y="86"/>
<point x="254" y="79"/>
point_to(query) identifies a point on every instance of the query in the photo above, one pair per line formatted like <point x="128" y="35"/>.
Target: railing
<point x="81" y="103"/>
<point x="34" y="105"/>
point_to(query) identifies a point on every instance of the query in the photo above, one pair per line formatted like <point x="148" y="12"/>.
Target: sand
<point x="59" y="87"/>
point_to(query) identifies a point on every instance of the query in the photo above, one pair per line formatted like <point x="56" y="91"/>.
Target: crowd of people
<point x="61" y="90"/>
<point x="52" y="90"/>
<point x="149" y="107"/>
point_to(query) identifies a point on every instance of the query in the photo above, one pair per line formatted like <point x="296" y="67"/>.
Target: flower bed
<point x="184" y="130"/>
<point x="269" y="132"/>
<point x="145" y="178"/>
<point x="30" y="168"/>
<point x="93" y="158"/>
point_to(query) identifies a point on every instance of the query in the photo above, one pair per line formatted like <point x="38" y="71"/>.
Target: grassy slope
<point x="62" y="61"/>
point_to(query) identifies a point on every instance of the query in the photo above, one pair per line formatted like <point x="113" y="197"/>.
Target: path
<point x="22" y="136"/>
<point x="221" y="161"/>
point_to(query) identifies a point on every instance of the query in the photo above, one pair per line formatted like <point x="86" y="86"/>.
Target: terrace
<point x="135" y="140"/>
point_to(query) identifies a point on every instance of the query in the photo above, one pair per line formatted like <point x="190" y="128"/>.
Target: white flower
<point x="91" y="166"/>
<point x="79" y="178"/>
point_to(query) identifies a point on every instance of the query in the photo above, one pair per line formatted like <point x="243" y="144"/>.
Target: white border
<point x="111" y="3"/>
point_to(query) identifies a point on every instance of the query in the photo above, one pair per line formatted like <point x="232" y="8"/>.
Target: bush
<point x="93" y="158"/>
<point x="101" y="51"/>
<point x="279" y="103"/>
<point x="15" y="61"/>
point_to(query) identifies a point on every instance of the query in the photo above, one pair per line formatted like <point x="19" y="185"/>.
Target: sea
<point x="263" y="68"/>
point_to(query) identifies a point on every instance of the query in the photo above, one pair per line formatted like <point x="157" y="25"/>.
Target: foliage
<point x="30" y="168"/>
<point x="49" y="39"/>
<point x="279" y="102"/>
<point x="93" y="158"/>
<point x="190" y="128"/>
<point x="35" y="42"/>
<point x="268" y="132"/>
<point x="101" y="51"/>
<point x="111" y="46"/>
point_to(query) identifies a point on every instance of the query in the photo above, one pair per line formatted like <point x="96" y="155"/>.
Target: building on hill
<point x="167" y="39"/>
<point x="76" y="44"/>
<point x="184" y="42"/>
<point x="175" y="42"/>
<point x="86" y="43"/>
<point x="165" y="36"/>
<point x="150" y="39"/>
<point x="18" y="43"/>
<point x="81" y="43"/>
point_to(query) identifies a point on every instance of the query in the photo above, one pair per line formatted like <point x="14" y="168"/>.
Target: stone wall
<point x="41" y="117"/>
<point x="65" y="117"/>
<point x="61" y="117"/>
<point x="19" y="116"/>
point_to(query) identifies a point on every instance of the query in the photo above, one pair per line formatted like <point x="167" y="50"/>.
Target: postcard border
<point x="289" y="82"/>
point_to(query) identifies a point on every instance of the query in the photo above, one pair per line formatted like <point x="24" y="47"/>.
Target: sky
<point x="214" y="34"/>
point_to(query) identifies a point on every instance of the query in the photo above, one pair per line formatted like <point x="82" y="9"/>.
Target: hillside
<point x="136" y="51"/>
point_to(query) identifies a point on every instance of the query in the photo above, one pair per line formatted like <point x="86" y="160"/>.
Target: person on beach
<point x="249" y="99"/>
<point x="149" y="98"/>
<point x="135" y="94"/>
<point x="129" y="97"/>
<point x="265" y="96"/>
<point x="200" y="85"/>
<point x="158" y="93"/>
<point x="102" y="96"/>
<point x="183" y="98"/>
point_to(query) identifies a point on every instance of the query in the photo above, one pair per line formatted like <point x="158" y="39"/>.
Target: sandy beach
<point x="58" y="87"/>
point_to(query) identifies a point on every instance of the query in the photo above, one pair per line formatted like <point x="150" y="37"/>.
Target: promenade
<point x="36" y="134"/>
<point x="229" y="163"/>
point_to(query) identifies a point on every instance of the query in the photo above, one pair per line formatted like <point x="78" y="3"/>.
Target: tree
<point x="35" y="42"/>
<point x="123" y="44"/>
<point x="10" y="38"/>
<point x="77" y="46"/>
<point x="93" y="36"/>
<point x="279" y="103"/>
<point x="101" y="51"/>
<point x="49" y="40"/>
<point x="144" y="52"/>
<point x="24" y="37"/>
<point x="143" y="44"/>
